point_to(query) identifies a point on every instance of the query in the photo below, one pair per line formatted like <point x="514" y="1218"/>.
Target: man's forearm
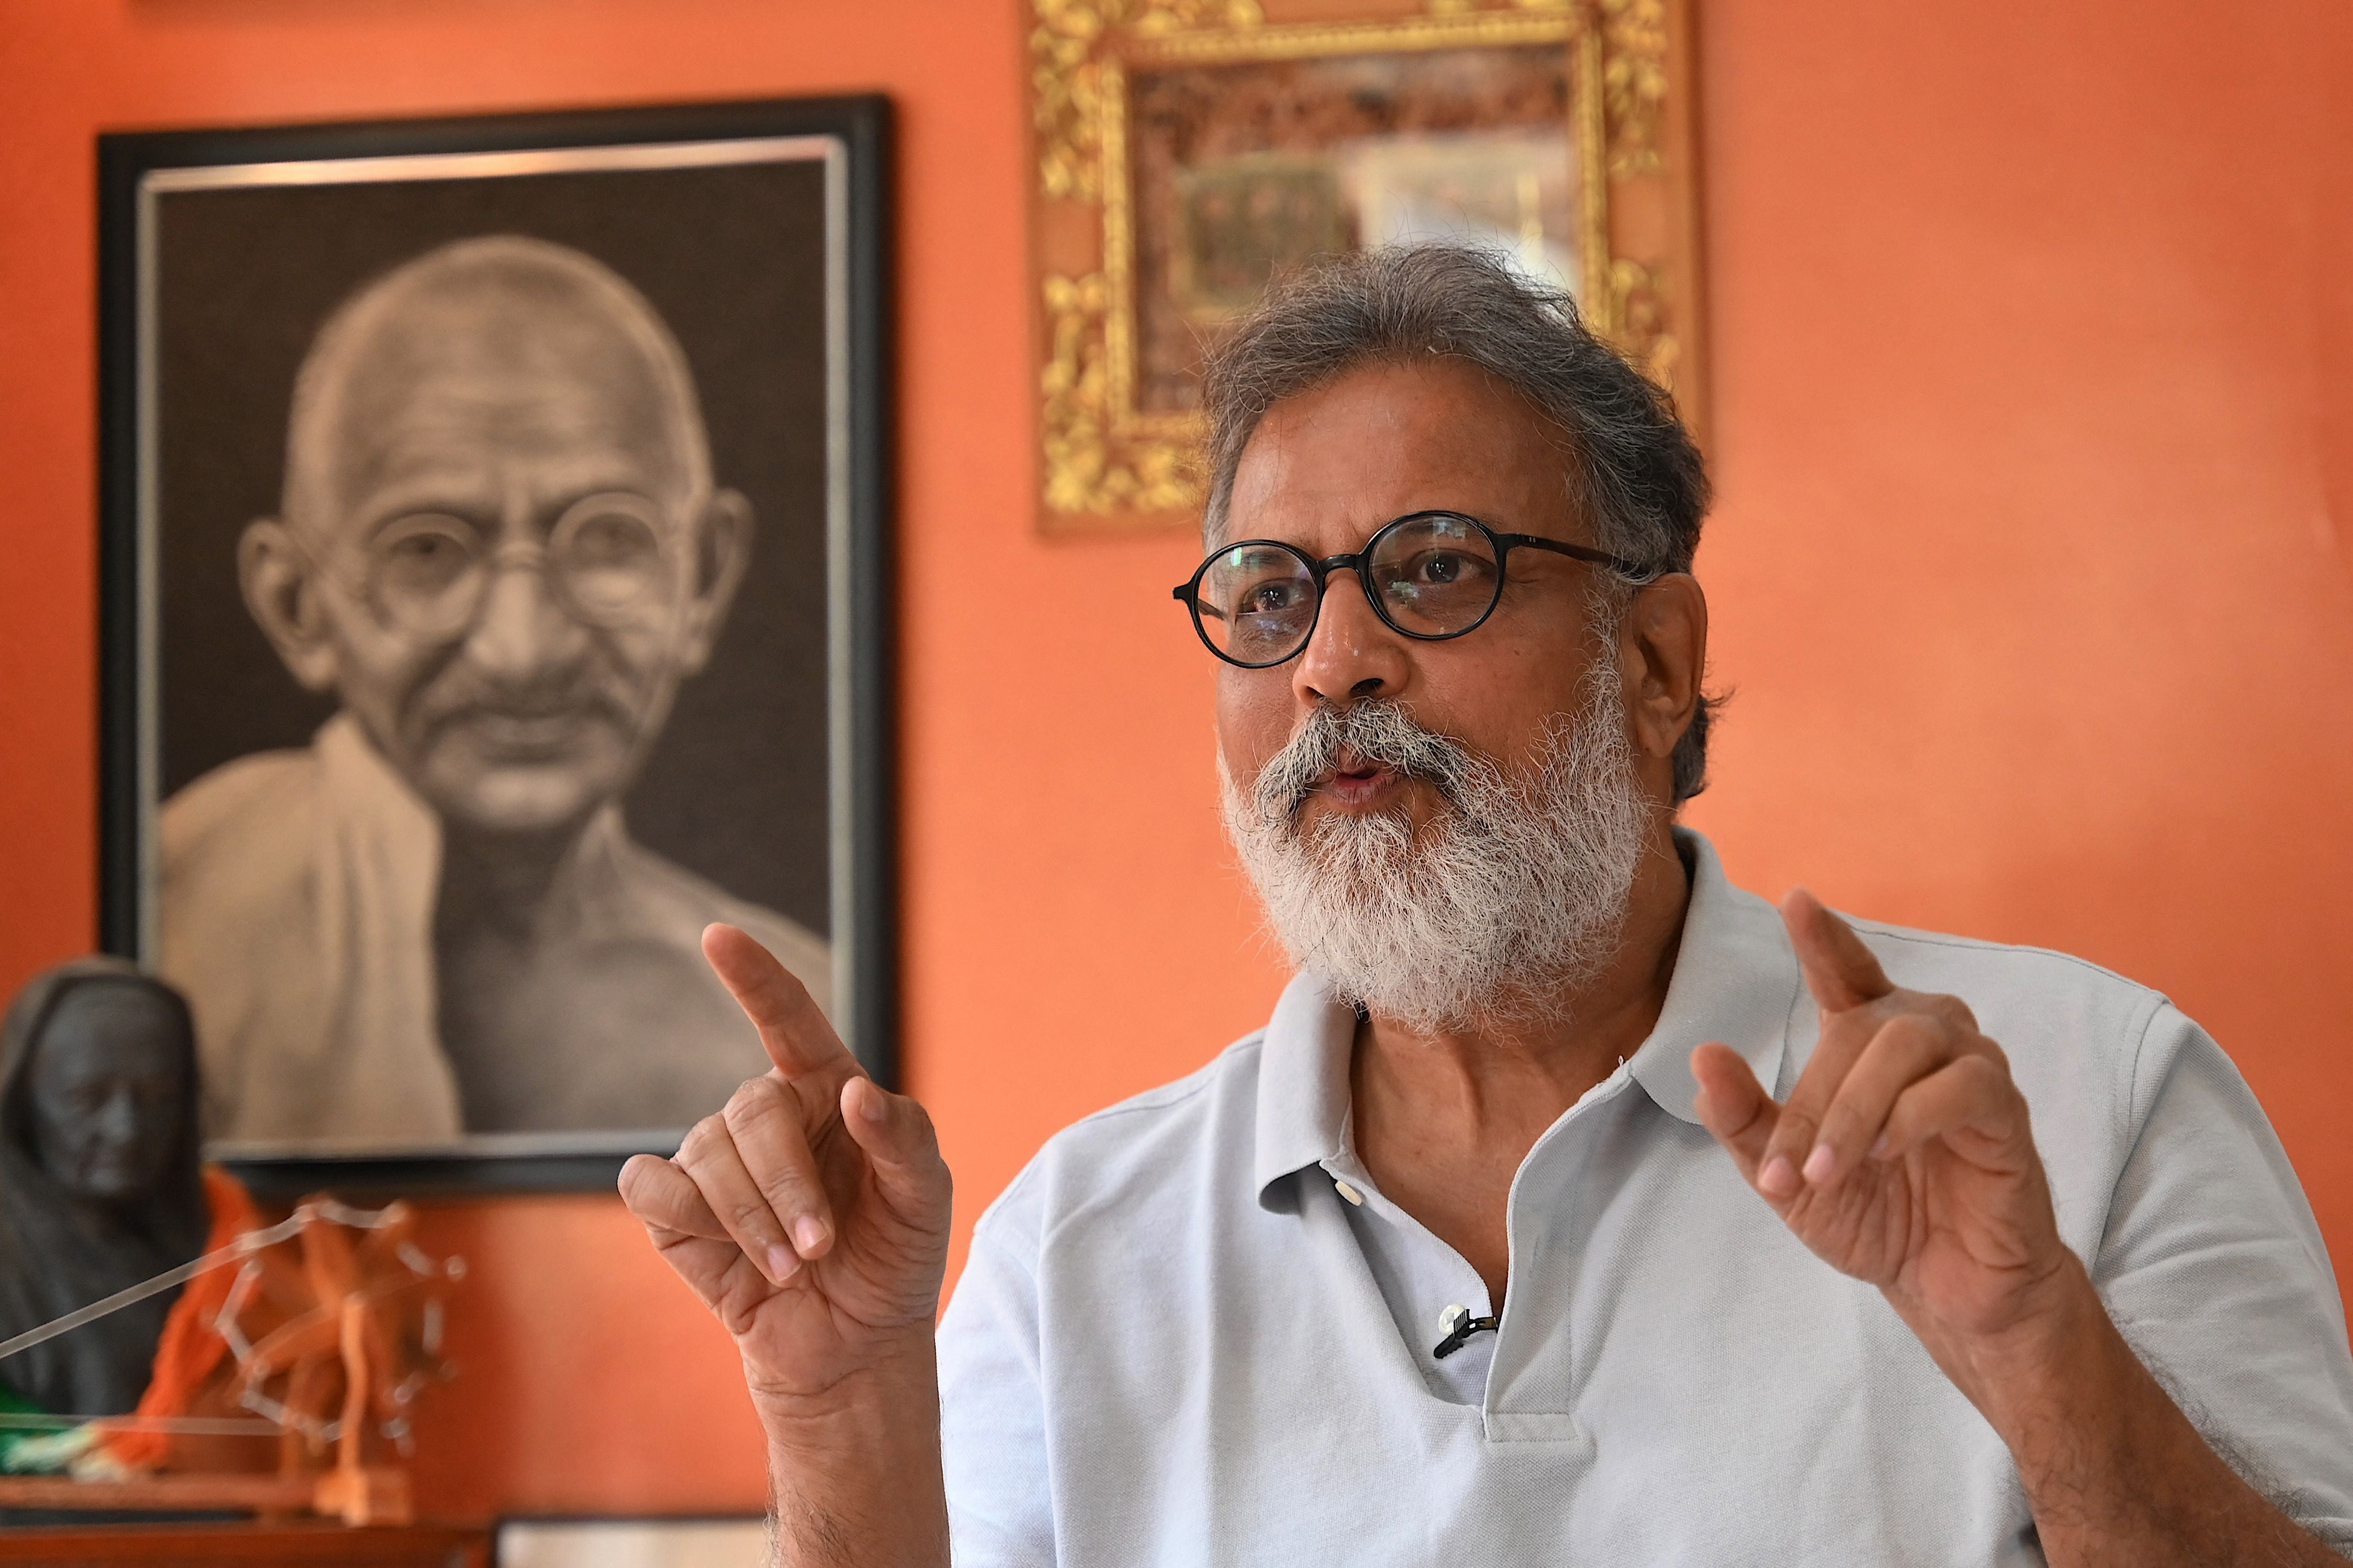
<point x="2113" y="1470"/>
<point x="854" y="1477"/>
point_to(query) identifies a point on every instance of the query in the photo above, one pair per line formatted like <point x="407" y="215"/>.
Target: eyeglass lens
<point x="1436" y="576"/>
<point x="1256" y="602"/>
<point x="605" y="559"/>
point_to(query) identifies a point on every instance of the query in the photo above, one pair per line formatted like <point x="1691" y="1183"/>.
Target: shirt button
<point x="1349" y="1192"/>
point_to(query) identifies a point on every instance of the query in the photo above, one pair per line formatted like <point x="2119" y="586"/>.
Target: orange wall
<point x="2035" y="444"/>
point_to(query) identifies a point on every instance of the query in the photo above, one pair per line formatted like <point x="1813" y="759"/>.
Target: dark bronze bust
<point x="101" y="1178"/>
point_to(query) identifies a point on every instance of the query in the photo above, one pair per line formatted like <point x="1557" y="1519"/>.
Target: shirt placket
<point x="1531" y="1379"/>
<point x="1419" y="1278"/>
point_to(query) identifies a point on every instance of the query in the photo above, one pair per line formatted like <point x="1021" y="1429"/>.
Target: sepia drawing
<point x="502" y="612"/>
<point x="501" y="548"/>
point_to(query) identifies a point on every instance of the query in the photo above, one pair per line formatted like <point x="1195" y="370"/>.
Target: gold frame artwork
<point x="1108" y="465"/>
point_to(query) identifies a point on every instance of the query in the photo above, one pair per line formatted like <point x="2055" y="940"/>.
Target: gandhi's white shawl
<point x="326" y="862"/>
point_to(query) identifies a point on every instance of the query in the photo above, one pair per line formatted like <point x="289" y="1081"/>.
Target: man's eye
<point x="1269" y="597"/>
<point x="425" y="548"/>
<point x="613" y="539"/>
<point x="426" y="553"/>
<point x="1441" y="568"/>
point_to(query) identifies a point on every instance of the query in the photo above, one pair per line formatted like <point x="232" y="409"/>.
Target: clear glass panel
<point x="1258" y="602"/>
<point x="1436" y="574"/>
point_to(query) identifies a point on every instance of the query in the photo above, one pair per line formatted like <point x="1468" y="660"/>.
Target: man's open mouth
<point x="1357" y="781"/>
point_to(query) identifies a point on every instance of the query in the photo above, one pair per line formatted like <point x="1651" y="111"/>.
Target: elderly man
<point x="502" y="549"/>
<point x="1573" y="1206"/>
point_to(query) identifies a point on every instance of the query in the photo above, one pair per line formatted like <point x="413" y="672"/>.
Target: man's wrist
<point x="2058" y="1376"/>
<point x="2066" y="1368"/>
<point x="900" y="1372"/>
<point x="2058" y="1339"/>
<point x="854" y="1469"/>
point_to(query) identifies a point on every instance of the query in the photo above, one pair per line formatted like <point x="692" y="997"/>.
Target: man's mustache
<point x="456" y="697"/>
<point x="1375" y="730"/>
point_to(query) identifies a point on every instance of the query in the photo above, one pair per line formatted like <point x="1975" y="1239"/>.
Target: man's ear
<point x="1666" y="657"/>
<point x="282" y="593"/>
<point x="725" y="549"/>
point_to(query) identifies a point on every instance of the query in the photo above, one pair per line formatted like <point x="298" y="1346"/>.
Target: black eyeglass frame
<point x="1360" y="561"/>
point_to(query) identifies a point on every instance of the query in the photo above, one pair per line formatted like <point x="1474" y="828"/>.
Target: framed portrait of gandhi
<point x="495" y="593"/>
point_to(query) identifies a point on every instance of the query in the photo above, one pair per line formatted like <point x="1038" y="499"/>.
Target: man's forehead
<point x="1385" y="440"/>
<point x="482" y="470"/>
<point x="462" y="384"/>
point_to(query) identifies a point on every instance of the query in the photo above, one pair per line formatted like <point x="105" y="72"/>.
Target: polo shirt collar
<point x="1302" y="1082"/>
<point x="1735" y="981"/>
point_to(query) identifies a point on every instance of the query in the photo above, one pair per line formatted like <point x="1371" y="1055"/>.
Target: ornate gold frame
<point x="1107" y="467"/>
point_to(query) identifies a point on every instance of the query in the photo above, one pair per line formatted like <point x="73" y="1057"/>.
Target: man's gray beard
<point x="1515" y="893"/>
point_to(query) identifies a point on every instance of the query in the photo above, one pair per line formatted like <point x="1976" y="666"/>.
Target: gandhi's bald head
<point x="442" y="341"/>
<point x="501" y="544"/>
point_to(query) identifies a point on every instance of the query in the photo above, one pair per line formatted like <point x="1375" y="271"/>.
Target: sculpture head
<point x="499" y="544"/>
<point x="106" y="1086"/>
<point x="100" y="1085"/>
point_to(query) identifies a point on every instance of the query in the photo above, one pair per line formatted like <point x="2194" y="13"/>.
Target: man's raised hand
<point x="1904" y="1156"/>
<point x="811" y="1214"/>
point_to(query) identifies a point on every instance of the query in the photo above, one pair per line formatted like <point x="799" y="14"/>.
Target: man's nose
<point x="522" y="629"/>
<point x="1354" y="654"/>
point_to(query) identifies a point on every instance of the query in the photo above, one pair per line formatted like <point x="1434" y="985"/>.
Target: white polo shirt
<point x="1194" y="1330"/>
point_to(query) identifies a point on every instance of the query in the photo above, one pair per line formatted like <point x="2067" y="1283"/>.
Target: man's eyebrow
<point x="458" y="495"/>
<point x="477" y="498"/>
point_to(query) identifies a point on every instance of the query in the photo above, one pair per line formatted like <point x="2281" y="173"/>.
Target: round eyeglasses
<point x="608" y="560"/>
<point x="1429" y="575"/>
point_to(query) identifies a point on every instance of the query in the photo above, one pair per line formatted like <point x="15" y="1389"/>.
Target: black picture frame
<point x="860" y="790"/>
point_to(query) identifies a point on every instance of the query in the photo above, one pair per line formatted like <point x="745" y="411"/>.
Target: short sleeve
<point x="992" y="1409"/>
<point x="2214" y="1267"/>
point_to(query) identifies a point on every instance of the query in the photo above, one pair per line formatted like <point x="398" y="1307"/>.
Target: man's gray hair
<point x="1631" y="468"/>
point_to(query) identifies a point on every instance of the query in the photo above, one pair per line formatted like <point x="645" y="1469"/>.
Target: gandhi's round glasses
<point x="608" y="560"/>
<point x="1429" y="575"/>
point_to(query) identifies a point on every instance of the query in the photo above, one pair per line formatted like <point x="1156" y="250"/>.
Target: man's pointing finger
<point x="794" y="1030"/>
<point x="1840" y="971"/>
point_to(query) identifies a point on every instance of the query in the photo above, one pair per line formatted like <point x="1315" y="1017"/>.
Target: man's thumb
<point x="895" y="1134"/>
